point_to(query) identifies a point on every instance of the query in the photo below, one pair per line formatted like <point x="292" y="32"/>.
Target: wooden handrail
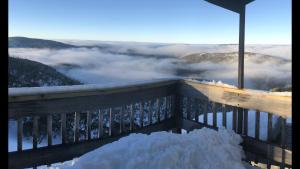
<point x="271" y="102"/>
<point x="45" y="102"/>
<point x="83" y="97"/>
<point x="56" y="92"/>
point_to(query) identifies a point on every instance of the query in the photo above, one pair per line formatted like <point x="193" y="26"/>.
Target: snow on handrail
<point x="23" y="91"/>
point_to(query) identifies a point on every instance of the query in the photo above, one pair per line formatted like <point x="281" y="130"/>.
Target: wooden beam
<point x="73" y="104"/>
<point x="232" y="5"/>
<point x="249" y="99"/>
<point x="57" y="92"/>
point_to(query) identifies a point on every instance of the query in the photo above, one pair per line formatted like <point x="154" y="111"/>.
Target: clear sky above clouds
<point x="175" y="21"/>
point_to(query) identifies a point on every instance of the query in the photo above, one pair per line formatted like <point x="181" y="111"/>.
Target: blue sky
<point x="170" y="21"/>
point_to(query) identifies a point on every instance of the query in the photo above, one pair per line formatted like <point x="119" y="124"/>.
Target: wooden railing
<point x="219" y="101"/>
<point x="90" y="116"/>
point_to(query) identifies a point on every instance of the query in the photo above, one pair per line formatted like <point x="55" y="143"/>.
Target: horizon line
<point x="128" y="41"/>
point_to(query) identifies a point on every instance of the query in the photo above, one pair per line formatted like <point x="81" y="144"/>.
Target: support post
<point x="241" y="48"/>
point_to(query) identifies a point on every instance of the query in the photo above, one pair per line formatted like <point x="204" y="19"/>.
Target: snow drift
<point x="203" y="148"/>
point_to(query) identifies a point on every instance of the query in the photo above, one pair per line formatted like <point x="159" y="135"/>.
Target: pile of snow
<point x="282" y="93"/>
<point x="217" y="83"/>
<point x="202" y="148"/>
<point x="212" y="82"/>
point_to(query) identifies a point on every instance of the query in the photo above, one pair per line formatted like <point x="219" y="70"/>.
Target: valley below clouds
<point x="266" y="66"/>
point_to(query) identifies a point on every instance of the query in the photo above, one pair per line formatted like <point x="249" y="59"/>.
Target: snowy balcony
<point x="78" y="119"/>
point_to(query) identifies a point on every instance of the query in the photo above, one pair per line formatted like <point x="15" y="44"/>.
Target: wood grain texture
<point x="250" y="99"/>
<point x="81" y="103"/>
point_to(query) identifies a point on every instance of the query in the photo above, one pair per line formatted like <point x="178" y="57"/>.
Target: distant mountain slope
<point x="232" y="57"/>
<point x="27" y="73"/>
<point x="23" y="42"/>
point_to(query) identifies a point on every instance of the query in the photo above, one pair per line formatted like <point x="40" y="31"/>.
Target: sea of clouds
<point x="112" y="65"/>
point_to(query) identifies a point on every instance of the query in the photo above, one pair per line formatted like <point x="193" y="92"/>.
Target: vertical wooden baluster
<point x="150" y="113"/>
<point x="269" y="139"/>
<point x="166" y="108"/>
<point x="240" y="121"/>
<point x="270" y="121"/>
<point x="234" y="119"/>
<point x="88" y="118"/>
<point x="110" y="121"/>
<point x="283" y="125"/>
<point x="142" y="113"/>
<point x="214" y="114"/>
<point x="131" y="117"/>
<point x="169" y="106"/>
<point x="77" y="120"/>
<point x="158" y="110"/>
<point x="100" y="123"/>
<point x="205" y="111"/>
<point x="173" y="107"/>
<point x="224" y="117"/>
<point x="177" y="111"/>
<point x="197" y="110"/>
<point x="20" y="133"/>
<point x="245" y="122"/>
<point x="121" y="119"/>
<point x="49" y="129"/>
<point x="257" y="124"/>
<point x="188" y="109"/>
<point x="63" y="128"/>
<point x="35" y="133"/>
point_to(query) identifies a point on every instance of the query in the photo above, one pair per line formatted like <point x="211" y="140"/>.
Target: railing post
<point x="77" y="127"/>
<point x="240" y="120"/>
<point x="224" y="117"/>
<point x="35" y="132"/>
<point x="110" y="122"/>
<point x="245" y="121"/>
<point x="63" y="128"/>
<point x="283" y="145"/>
<point x="214" y="114"/>
<point x="131" y="117"/>
<point x="206" y="103"/>
<point x="100" y="123"/>
<point x="188" y="109"/>
<point x="197" y="110"/>
<point x="142" y="113"/>
<point x="150" y="112"/>
<point x="234" y="118"/>
<point x="20" y="133"/>
<point x="49" y="129"/>
<point x="121" y="119"/>
<point x="158" y="110"/>
<point x="88" y="118"/>
<point x="177" y="113"/>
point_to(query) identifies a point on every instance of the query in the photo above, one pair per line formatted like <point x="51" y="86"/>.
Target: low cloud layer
<point x="93" y="65"/>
